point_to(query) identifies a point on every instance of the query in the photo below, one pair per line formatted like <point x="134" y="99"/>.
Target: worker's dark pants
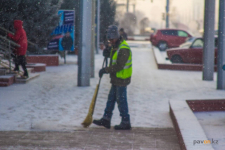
<point x="21" y="60"/>
<point x="117" y="94"/>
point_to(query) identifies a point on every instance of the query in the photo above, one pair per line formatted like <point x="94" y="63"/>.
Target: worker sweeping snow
<point x="120" y="70"/>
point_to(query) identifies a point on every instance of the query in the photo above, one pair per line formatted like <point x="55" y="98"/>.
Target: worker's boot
<point x="123" y="126"/>
<point x="102" y="122"/>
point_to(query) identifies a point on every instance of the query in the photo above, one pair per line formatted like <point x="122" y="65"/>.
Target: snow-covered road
<point x="55" y="102"/>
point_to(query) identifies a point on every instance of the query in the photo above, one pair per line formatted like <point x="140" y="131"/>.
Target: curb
<point x="183" y="67"/>
<point x="186" y="124"/>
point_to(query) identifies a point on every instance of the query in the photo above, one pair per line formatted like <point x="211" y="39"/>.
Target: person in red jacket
<point x="20" y="38"/>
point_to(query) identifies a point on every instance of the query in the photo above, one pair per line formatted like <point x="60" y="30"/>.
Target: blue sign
<point x="63" y="35"/>
<point x="223" y="67"/>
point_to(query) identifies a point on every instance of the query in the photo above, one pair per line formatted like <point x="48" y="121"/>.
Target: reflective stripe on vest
<point x="126" y="72"/>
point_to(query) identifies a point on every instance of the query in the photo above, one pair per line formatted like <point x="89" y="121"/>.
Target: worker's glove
<point x="101" y="72"/>
<point x="106" y="52"/>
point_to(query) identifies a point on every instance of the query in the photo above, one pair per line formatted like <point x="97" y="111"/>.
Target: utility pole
<point x="127" y="6"/>
<point x="167" y="13"/>
<point x="209" y="40"/>
<point x="221" y="47"/>
<point x="98" y="26"/>
<point x="84" y="60"/>
<point x="93" y="40"/>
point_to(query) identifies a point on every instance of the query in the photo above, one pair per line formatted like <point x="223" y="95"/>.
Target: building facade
<point x="183" y="14"/>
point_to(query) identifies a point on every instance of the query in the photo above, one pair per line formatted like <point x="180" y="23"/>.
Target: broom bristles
<point x="88" y="120"/>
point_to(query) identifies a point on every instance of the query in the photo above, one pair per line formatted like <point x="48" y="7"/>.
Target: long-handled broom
<point x="88" y="120"/>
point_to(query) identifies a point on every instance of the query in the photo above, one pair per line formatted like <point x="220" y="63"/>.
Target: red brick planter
<point x="49" y="60"/>
<point x="7" y="80"/>
<point x="183" y="67"/>
<point x="187" y="67"/>
<point x="37" y="67"/>
<point x="206" y="105"/>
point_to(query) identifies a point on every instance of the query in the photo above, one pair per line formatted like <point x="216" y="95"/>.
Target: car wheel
<point x="162" y="46"/>
<point x="176" y="59"/>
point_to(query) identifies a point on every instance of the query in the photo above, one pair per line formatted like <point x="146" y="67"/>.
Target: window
<point x="185" y="45"/>
<point x="169" y="32"/>
<point x="198" y="43"/>
<point x="182" y="34"/>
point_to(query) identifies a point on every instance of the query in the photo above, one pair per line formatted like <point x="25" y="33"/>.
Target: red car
<point x="168" y="38"/>
<point x="189" y="52"/>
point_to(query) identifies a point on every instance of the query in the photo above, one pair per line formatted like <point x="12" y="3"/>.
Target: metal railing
<point x="13" y="34"/>
<point x="6" y="48"/>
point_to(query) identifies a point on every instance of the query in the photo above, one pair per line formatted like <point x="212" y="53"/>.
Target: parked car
<point x="169" y="38"/>
<point x="189" y="52"/>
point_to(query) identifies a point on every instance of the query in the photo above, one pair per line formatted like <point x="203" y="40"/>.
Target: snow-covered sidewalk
<point x="55" y="102"/>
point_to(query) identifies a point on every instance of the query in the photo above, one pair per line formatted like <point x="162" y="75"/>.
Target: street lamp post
<point x="84" y="60"/>
<point x="167" y="13"/>
<point x="221" y="47"/>
<point x="93" y="39"/>
<point x="127" y="6"/>
<point x="209" y="40"/>
<point x="98" y="26"/>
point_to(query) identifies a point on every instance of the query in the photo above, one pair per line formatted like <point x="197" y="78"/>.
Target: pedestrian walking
<point x="123" y="33"/>
<point x="20" y="38"/>
<point x="120" y="70"/>
<point x="67" y="43"/>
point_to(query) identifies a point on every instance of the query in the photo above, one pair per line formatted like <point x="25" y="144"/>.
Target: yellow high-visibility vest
<point x="126" y="72"/>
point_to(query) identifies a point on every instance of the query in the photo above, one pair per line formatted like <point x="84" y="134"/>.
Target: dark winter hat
<point x="112" y="32"/>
